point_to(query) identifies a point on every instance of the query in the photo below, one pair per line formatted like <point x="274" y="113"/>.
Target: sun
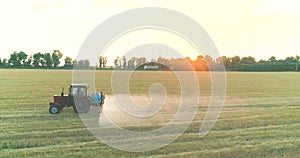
<point x="193" y="57"/>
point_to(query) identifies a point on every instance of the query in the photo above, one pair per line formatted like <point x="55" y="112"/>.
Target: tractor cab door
<point x="82" y="92"/>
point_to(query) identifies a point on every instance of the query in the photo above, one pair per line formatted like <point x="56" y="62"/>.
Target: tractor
<point x="78" y="94"/>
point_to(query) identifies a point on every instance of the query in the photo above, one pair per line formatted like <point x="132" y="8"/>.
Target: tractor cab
<point x="78" y="90"/>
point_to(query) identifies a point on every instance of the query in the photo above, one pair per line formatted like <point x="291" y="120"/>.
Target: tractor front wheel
<point x="54" y="109"/>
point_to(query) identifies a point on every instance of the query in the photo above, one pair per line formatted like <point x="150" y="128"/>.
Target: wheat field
<point x="260" y="117"/>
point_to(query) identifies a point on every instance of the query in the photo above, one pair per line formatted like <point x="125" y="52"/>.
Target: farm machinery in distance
<point x="78" y="98"/>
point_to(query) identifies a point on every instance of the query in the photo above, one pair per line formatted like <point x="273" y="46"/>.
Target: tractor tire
<point x="82" y="105"/>
<point x="54" y="109"/>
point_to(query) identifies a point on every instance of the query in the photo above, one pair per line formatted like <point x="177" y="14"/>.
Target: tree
<point x="5" y="62"/>
<point x="141" y="61"/>
<point x="85" y="63"/>
<point x="235" y="63"/>
<point x="104" y="62"/>
<point x="298" y="58"/>
<point x="48" y="59"/>
<point x="101" y="61"/>
<point x="22" y="58"/>
<point x="124" y="62"/>
<point x="42" y="60"/>
<point x="225" y="61"/>
<point x="56" y="56"/>
<point x="199" y="58"/>
<point x="14" y="60"/>
<point x="28" y="61"/>
<point x="272" y="59"/>
<point x="200" y="64"/>
<point x="37" y="59"/>
<point x="82" y="64"/>
<point x="74" y="62"/>
<point x="248" y="60"/>
<point x="131" y="63"/>
<point x="120" y="63"/>
<point x="68" y="62"/>
<point x="261" y="61"/>
<point x="18" y="59"/>
<point x="163" y="60"/>
<point x="116" y="61"/>
<point x="208" y="59"/>
<point x="235" y="60"/>
<point x="291" y="59"/>
<point x="189" y="60"/>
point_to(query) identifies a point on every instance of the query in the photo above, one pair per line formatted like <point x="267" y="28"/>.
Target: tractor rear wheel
<point x="54" y="109"/>
<point x="82" y="105"/>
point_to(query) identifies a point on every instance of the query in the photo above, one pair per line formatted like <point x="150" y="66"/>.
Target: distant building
<point x="148" y="67"/>
<point x="153" y="66"/>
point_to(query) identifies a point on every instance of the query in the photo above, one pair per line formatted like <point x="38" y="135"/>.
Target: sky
<point x="258" y="28"/>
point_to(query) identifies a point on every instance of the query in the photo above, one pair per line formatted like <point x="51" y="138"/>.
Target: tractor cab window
<point x="74" y="91"/>
<point x="82" y="91"/>
<point x="78" y="91"/>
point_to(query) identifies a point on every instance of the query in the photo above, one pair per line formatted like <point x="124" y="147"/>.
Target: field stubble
<point x="260" y="117"/>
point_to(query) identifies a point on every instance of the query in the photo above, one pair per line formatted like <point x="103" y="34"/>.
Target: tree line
<point x="40" y="60"/>
<point x="249" y="63"/>
<point x="207" y="63"/>
<point x="202" y="63"/>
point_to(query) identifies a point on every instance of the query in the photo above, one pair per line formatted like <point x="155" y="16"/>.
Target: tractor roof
<point x="79" y="85"/>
